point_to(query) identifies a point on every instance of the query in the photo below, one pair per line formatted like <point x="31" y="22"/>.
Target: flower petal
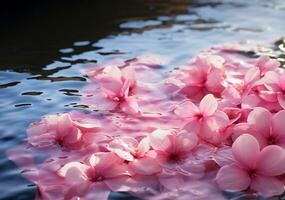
<point x="267" y="186"/>
<point x="271" y="161"/>
<point x="246" y="149"/>
<point x="208" y="105"/>
<point x="74" y="172"/>
<point x="260" y="119"/>
<point x="160" y="140"/>
<point x="278" y="127"/>
<point x="143" y="146"/>
<point x="186" y="109"/>
<point x="232" y="178"/>
<point x="145" y="166"/>
<point x="186" y="141"/>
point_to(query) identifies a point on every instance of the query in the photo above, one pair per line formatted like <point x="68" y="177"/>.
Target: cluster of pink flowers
<point x="212" y="125"/>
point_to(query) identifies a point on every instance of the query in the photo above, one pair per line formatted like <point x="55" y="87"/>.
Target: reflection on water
<point x="44" y="54"/>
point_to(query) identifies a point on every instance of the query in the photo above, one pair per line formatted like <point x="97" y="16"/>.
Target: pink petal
<point x="98" y="99"/>
<point x="267" y="186"/>
<point x="135" y="183"/>
<point x="208" y="105"/>
<point x="125" y="89"/>
<point x="260" y="119"/>
<point x="103" y="160"/>
<point x="246" y="150"/>
<point x="65" y="125"/>
<point x="208" y="130"/>
<point x="231" y="93"/>
<point x="115" y="171"/>
<point x="143" y="146"/>
<point x="268" y="95"/>
<point x="252" y="75"/>
<point x="73" y="137"/>
<point x="171" y="181"/>
<point x="281" y="100"/>
<point x="191" y="168"/>
<point x="278" y="128"/>
<point x="224" y="156"/>
<point x="160" y="140"/>
<point x="186" y="109"/>
<point x="74" y="172"/>
<point x="241" y="128"/>
<point x="130" y="105"/>
<point x="186" y="141"/>
<point x="282" y="82"/>
<point x="271" y="80"/>
<point x="113" y="72"/>
<point x="145" y="166"/>
<point x="124" y="154"/>
<point x="215" y="80"/>
<point x="110" y="86"/>
<point x="98" y="190"/>
<point x="250" y="101"/>
<point x="193" y="126"/>
<point x="232" y="178"/>
<point x="271" y="161"/>
<point x="129" y="74"/>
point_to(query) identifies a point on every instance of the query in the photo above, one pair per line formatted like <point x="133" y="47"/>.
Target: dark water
<point x="46" y="45"/>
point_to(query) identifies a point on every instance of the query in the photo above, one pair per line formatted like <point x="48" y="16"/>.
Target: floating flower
<point x="254" y="168"/>
<point x="60" y="130"/>
<point x="267" y="128"/>
<point x="140" y="158"/>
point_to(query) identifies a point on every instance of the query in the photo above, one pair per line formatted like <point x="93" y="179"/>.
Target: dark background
<point x="32" y="31"/>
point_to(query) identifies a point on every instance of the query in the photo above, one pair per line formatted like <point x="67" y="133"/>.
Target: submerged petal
<point x="232" y="178"/>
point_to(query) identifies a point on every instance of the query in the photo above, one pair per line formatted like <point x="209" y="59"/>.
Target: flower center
<point x="271" y="140"/>
<point x="135" y="153"/>
<point x="199" y="116"/>
<point x="118" y="99"/>
<point x="252" y="173"/>
<point x="97" y="178"/>
<point x="174" y="158"/>
<point x="59" y="142"/>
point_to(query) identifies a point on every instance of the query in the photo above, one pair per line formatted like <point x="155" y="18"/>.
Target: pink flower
<point x="268" y="129"/>
<point x="204" y="75"/>
<point x="174" y="154"/>
<point x="140" y="158"/>
<point x="101" y="173"/>
<point x="206" y="120"/>
<point x="60" y="130"/>
<point x="253" y="168"/>
<point x="174" y="149"/>
<point x="237" y="105"/>
<point x="265" y="64"/>
<point x="276" y="83"/>
<point x="115" y="88"/>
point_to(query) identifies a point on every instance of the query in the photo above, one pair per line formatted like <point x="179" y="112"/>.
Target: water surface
<point x="47" y="45"/>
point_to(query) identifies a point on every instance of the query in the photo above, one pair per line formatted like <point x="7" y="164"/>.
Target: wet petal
<point x="267" y="186"/>
<point x="145" y="166"/>
<point x="160" y="140"/>
<point x="186" y="141"/>
<point x="74" y="172"/>
<point x="271" y="161"/>
<point x="186" y="109"/>
<point x="260" y="119"/>
<point x="208" y="105"/>
<point x="232" y="178"/>
<point x="246" y="150"/>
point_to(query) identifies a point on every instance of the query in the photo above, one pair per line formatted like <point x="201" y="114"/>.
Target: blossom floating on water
<point x="214" y="124"/>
